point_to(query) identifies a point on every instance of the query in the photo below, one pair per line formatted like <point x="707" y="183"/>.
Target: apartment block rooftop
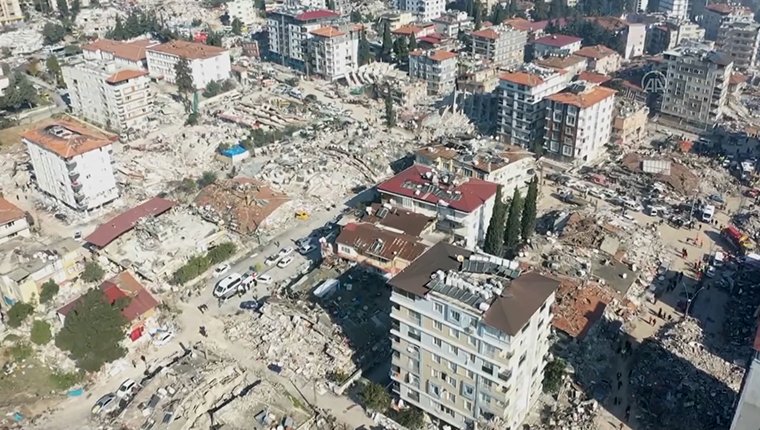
<point x="68" y="138"/>
<point x="483" y="155"/>
<point x="132" y="51"/>
<point x="188" y="50"/>
<point x="530" y="75"/>
<point x="582" y="95"/>
<point x="493" y="287"/>
<point x="701" y="51"/>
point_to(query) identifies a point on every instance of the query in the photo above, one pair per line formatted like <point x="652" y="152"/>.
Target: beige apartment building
<point x="501" y="45"/>
<point x="740" y="41"/>
<point x="10" y="12"/>
<point x="601" y="59"/>
<point x="469" y="336"/>
<point x="437" y="68"/>
<point x="629" y="123"/>
<point x="334" y="51"/>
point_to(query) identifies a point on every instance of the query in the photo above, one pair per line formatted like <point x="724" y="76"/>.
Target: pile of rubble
<point x="293" y="342"/>
<point x="574" y="411"/>
<point x="740" y="312"/>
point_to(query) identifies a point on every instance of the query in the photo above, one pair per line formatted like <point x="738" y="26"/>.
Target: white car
<point x="264" y="279"/>
<point x="221" y="270"/>
<point x="284" y="252"/>
<point x="163" y="337"/>
<point x="271" y="260"/>
<point x="284" y="262"/>
<point x="126" y="388"/>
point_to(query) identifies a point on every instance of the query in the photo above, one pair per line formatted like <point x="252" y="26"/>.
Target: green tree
<point x="53" y="33"/>
<point x="48" y="291"/>
<point x="18" y="313"/>
<point x="387" y="46"/>
<point x="495" y="234"/>
<point x="498" y="14"/>
<point x="356" y="16"/>
<point x="330" y="4"/>
<point x="412" y="43"/>
<point x="477" y="13"/>
<point x="375" y="397"/>
<point x="20" y="93"/>
<point x="212" y="88"/>
<point x="237" y="27"/>
<point x="260" y="4"/>
<point x="21" y="351"/>
<point x="390" y="112"/>
<point x="214" y="38"/>
<point x="364" y="55"/>
<point x="93" y="272"/>
<point x="184" y="80"/>
<point x="400" y="49"/>
<point x="540" y="11"/>
<point x="512" y="232"/>
<point x="54" y="68"/>
<point x="228" y="85"/>
<point x="92" y="332"/>
<point x="66" y="380"/>
<point x="40" y="334"/>
<point x="411" y="418"/>
<point x="63" y="8"/>
<point x="553" y="374"/>
<point x="528" y="221"/>
<point x="74" y="9"/>
<point x="207" y="178"/>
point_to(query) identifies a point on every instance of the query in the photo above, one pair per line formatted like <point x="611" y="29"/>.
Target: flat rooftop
<point x="481" y="157"/>
<point x="491" y="286"/>
<point x="68" y="139"/>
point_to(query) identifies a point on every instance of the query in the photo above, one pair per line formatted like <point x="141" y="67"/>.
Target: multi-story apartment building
<point x="696" y="85"/>
<point x="601" y="59"/>
<point x="678" y="9"/>
<point x="501" y="45"/>
<point x="207" y="63"/>
<point x="451" y="23"/>
<point x="631" y="37"/>
<point x="288" y="30"/>
<point x="578" y="122"/>
<point x="556" y="44"/>
<point x="571" y="64"/>
<point x="670" y="34"/>
<point x="522" y="109"/>
<point x="13" y="221"/>
<point x="243" y="10"/>
<point x="130" y="55"/>
<point x="117" y="99"/>
<point x="747" y="413"/>
<point x="470" y="336"/>
<point x="333" y="52"/>
<point x="740" y="40"/>
<point x="72" y="163"/>
<point x="630" y="121"/>
<point x="10" y="12"/>
<point x="509" y="166"/>
<point x="423" y="10"/>
<point x="717" y="14"/>
<point x="437" y="68"/>
<point x="463" y="207"/>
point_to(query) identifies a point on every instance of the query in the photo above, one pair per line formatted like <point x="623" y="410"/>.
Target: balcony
<point x="70" y="164"/>
<point x="505" y="375"/>
<point x="73" y="176"/>
<point x="76" y="186"/>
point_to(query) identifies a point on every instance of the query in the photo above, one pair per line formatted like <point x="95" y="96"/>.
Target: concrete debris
<point x="574" y="411"/>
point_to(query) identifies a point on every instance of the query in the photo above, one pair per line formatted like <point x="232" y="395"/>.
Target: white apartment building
<point x="452" y="22"/>
<point x="5" y="82"/>
<point x="207" y="63"/>
<point x="717" y="14"/>
<point x="501" y="45"/>
<point x="747" y="413"/>
<point x="423" y="10"/>
<point x="740" y="40"/>
<point x="469" y="337"/>
<point x="13" y="222"/>
<point x="10" y="12"/>
<point x="334" y="51"/>
<point x="696" y="88"/>
<point x="128" y="55"/>
<point x="463" y="207"/>
<point x="671" y="34"/>
<point x="678" y="9"/>
<point x="289" y="29"/>
<point x="437" y="68"/>
<point x="243" y="10"/>
<point x="601" y="59"/>
<point x="114" y="98"/>
<point x="579" y="122"/>
<point x="631" y="35"/>
<point x="522" y="109"/>
<point x="72" y="163"/>
<point x="556" y="45"/>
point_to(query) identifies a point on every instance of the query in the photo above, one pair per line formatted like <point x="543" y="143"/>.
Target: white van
<point x="708" y="211"/>
<point x="718" y="259"/>
<point x="227" y="287"/>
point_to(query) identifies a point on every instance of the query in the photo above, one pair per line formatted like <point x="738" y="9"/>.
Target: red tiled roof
<point x="488" y="33"/>
<point x="582" y="100"/>
<point x="407" y="30"/>
<point x="371" y="240"/>
<point x="327" y="32"/>
<point x="188" y="50"/>
<point x="725" y="9"/>
<point x="9" y="212"/>
<point x="121" y="286"/>
<point x="115" y="227"/>
<point x="557" y="40"/>
<point x="132" y="51"/>
<point x="68" y="138"/>
<point x="317" y="14"/>
<point x="125" y="75"/>
<point x="522" y="78"/>
<point x="595" y="52"/>
<point x="737" y="78"/>
<point x="594" y="78"/>
<point x="465" y="197"/>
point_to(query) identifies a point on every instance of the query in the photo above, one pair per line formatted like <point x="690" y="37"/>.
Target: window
<point x="437" y="342"/>
<point x="454" y="350"/>
<point x="554" y="146"/>
<point x="453" y="366"/>
<point x="416" y="317"/>
<point x="468" y="391"/>
<point x="468" y="405"/>
<point x="485" y="398"/>
<point x="414" y="334"/>
<point x="472" y="341"/>
<point x="438" y="308"/>
<point x="454" y="315"/>
<point x="438" y="326"/>
<point x="454" y="333"/>
<point x="434" y="390"/>
<point x="437" y="358"/>
<point x="489" y="349"/>
<point x="522" y="359"/>
<point x="487" y="368"/>
<point x="435" y="374"/>
<point x="470" y="374"/>
<point x="567" y="150"/>
<point x="452" y="397"/>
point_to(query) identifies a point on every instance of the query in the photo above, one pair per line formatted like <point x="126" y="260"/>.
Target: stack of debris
<point x="574" y="411"/>
<point x="741" y="312"/>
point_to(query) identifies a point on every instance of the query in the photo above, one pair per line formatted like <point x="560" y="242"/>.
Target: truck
<point x="569" y="197"/>
<point x="737" y="239"/>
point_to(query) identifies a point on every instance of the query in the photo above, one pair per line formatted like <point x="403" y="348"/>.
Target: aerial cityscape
<point x="379" y="214"/>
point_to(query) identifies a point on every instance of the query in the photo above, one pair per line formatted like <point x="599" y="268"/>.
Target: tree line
<point x="511" y="224"/>
<point x="590" y="31"/>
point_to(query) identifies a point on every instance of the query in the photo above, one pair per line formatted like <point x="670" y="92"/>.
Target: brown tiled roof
<point x="132" y="51"/>
<point x="583" y="100"/>
<point x="442" y="55"/>
<point x="407" y="30"/>
<point x="558" y="40"/>
<point x="370" y="240"/>
<point x="327" y="32"/>
<point x="9" y="212"/>
<point x="593" y="77"/>
<point x="726" y="9"/>
<point x="125" y="75"/>
<point x="560" y="63"/>
<point x="399" y="219"/>
<point x="522" y="78"/>
<point x="122" y="223"/>
<point x="72" y="139"/>
<point x="188" y="50"/>
<point x="488" y="33"/>
<point x="596" y="52"/>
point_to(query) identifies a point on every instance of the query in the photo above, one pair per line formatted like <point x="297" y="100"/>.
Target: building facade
<point x="243" y="10"/>
<point x="718" y="14"/>
<point x="451" y="23"/>
<point x="13" y="221"/>
<point x="677" y="9"/>
<point x="333" y="52"/>
<point x="5" y="82"/>
<point x="556" y="45"/>
<point x="671" y="34"/>
<point x="462" y="207"/>
<point x="468" y="347"/>
<point x="696" y="85"/>
<point x="423" y="10"/>
<point x="522" y="109"/>
<point x="502" y="45"/>
<point x="72" y="163"/>
<point x="437" y="68"/>
<point x="207" y="63"/>
<point x="119" y="100"/>
<point x="601" y="59"/>
<point x="128" y="55"/>
<point x="288" y="30"/>
<point x="740" y="40"/>
<point x="630" y="121"/>
<point x="10" y="12"/>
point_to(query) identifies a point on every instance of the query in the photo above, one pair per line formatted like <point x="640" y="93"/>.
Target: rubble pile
<point x="574" y="411"/>
<point x="289" y="340"/>
<point x="664" y="379"/>
<point x="741" y="308"/>
<point x="748" y="221"/>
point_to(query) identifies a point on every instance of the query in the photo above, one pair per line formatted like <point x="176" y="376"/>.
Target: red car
<point x="754" y="192"/>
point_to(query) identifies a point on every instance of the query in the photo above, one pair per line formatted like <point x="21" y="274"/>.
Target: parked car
<point x="284" y="252"/>
<point x="163" y="337"/>
<point x="77" y="235"/>
<point x="221" y="270"/>
<point x="249" y="305"/>
<point x="126" y="388"/>
<point x="104" y="404"/>
<point x="264" y="279"/>
<point x="284" y="262"/>
<point x="228" y="286"/>
<point x="307" y="248"/>
<point x="271" y="260"/>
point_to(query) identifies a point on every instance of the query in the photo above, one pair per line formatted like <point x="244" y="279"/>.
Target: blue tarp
<point x="233" y="151"/>
<point x="75" y="392"/>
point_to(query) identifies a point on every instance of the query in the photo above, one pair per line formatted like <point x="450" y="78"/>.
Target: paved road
<point x="52" y="90"/>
